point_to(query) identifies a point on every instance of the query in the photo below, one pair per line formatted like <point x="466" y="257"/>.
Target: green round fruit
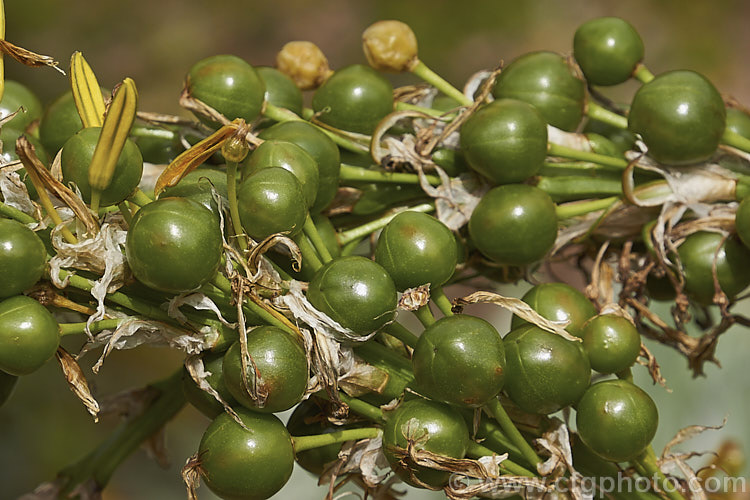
<point x="514" y="224"/>
<point x="76" y="158"/>
<point x="680" y="116"/>
<point x="22" y="258"/>
<point x="544" y="372"/>
<point x="354" y="98"/>
<point x="607" y="49"/>
<point x="323" y="150"/>
<point x="174" y="245"/>
<point x="229" y="85"/>
<point x="460" y="360"/>
<point x="738" y="121"/>
<point x="356" y="292"/>
<point x="239" y="464"/>
<point x="15" y="96"/>
<point x="697" y="255"/>
<point x="29" y="335"/>
<point x="611" y="342"/>
<point x="435" y="427"/>
<point x="416" y="249"/>
<point x="202" y="400"/>
<point x="278" y="366"/>
<point x="742" y="222"/>
<point x="617" y="420"/>
<point x="289" y="156"/>
<point x="558" y="302"/>
<point x="280" y="89"/>
<point x="505" y="141"/>
<point x="270" y="201"/>
<point x="60" y="122"/>
<point x="546" y="81"/>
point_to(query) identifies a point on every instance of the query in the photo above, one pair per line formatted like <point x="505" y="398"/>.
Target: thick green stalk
<point x="234" y="211"/>
<point x="575" y="154"/>
<point x="600" y="114"/>
<point x="476" y="450"/>
<point x="379" y="223"/>
<point x="437" y="81"/>
<point x="15" y="214"/>
<point x="506" y="424"/>
<point x="302" y="443"/>
<point x="402" y="333"/>
<point x="314" y="236"/>
<point x="359" y="174"/>
<point x="444" y="304"/>
<point x="310" y="256"/>
<point x="424" y="315"/>
<point x="647" y="461"/>
<point x="96" y="326"/>
<point x="642" y="73"/>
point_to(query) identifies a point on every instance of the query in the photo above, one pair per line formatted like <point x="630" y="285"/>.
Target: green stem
<point x="350" y="247"/>
<point x="437" y="81"/>
<point x="566" y="152"/>
<point x="15" y="214"/>
<point x="575" y="187"/>
<point x="96" y="326"/>
<point x="379" y="223"/>
<point x="476" y="450"/>
<point x="309" y="255"/>
<point x="234" y="211"/>
<point x="140" y="198"/>
<point x="359" y="174"/>
<point x="584" y="168"/>
<point x="642" y="73"/>
<point x="278" y="114"/>
<point x="96" y="198"/>
<point x="302" y="443"/>
<point x="626" y="374"/>
<point x="444" y="304"/>
<point x="153" y="133"/>
<point x="356" y="405"/>
<point x="506" y="424"/>
<point x="424" y="315"/>
<point x="312" y="233"/>
<point x="402" y="333"/>
<point x="102" y="462"/>
<point x="601" y="114"/>
<point x="732" y="138"/>
<point x="375" y="353"/>
<point x="648" y="462"/>
<point x="125" y="211"/>
<point x="576" y="208"/>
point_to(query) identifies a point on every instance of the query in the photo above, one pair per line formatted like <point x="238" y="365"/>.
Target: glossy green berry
<point x="616" y="419"/>
<point x="8" y="136"/>
<point x="738" y="121"/>
<point x="7" y="383"/>
<point x="308" y="419"/>
<point x="453" y="161"/>
<point x="544" y="372"/>
<point x="545" y="80"/>
<point x="505" y="141"/>
<point x="354" y="98"/>
<point x="239" y="464"/>
<point x="202" y="400"/>
<point x="432" y="426"/>
<point x="460" y="360"/>
<point x="697" y="255"/>
<point x="607" y="49"/>
<point x="289" y="156"/>
<point x="356" y="292"/>
<point x="270" y="201"/>
<point x="15" y="96"/>
<point x="174" y="245"/>
<point x="680" y="116"/>
<point x="76" y="158"/>
<point x="29" y="335"/>
<point x="22" y="258"/>
<point x="229" y="85"/>
<point x="611" y="342"/>
<point x="280" y="89"/>
<point x="198" y="186"/>
<point x="415" y="249"/>
<point x="514" y="224"/>
<point x="558" y="302"/>
<point x="323" y="150"/>
<point x="742" y="222"/>
<point x="278" y="369"/>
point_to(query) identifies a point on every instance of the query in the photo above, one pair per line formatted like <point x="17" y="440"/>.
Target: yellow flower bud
<point x="390" y="46"/>
<point x="304" y="63"/>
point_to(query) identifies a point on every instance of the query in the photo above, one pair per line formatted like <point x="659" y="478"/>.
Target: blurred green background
<point x="43" y="427"/>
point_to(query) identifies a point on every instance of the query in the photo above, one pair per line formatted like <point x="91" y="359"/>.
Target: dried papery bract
<point x="390" y="46"/>
<point x="304" y="63"/>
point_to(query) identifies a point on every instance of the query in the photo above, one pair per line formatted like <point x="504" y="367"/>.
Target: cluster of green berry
<point x="264" y="211"/>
